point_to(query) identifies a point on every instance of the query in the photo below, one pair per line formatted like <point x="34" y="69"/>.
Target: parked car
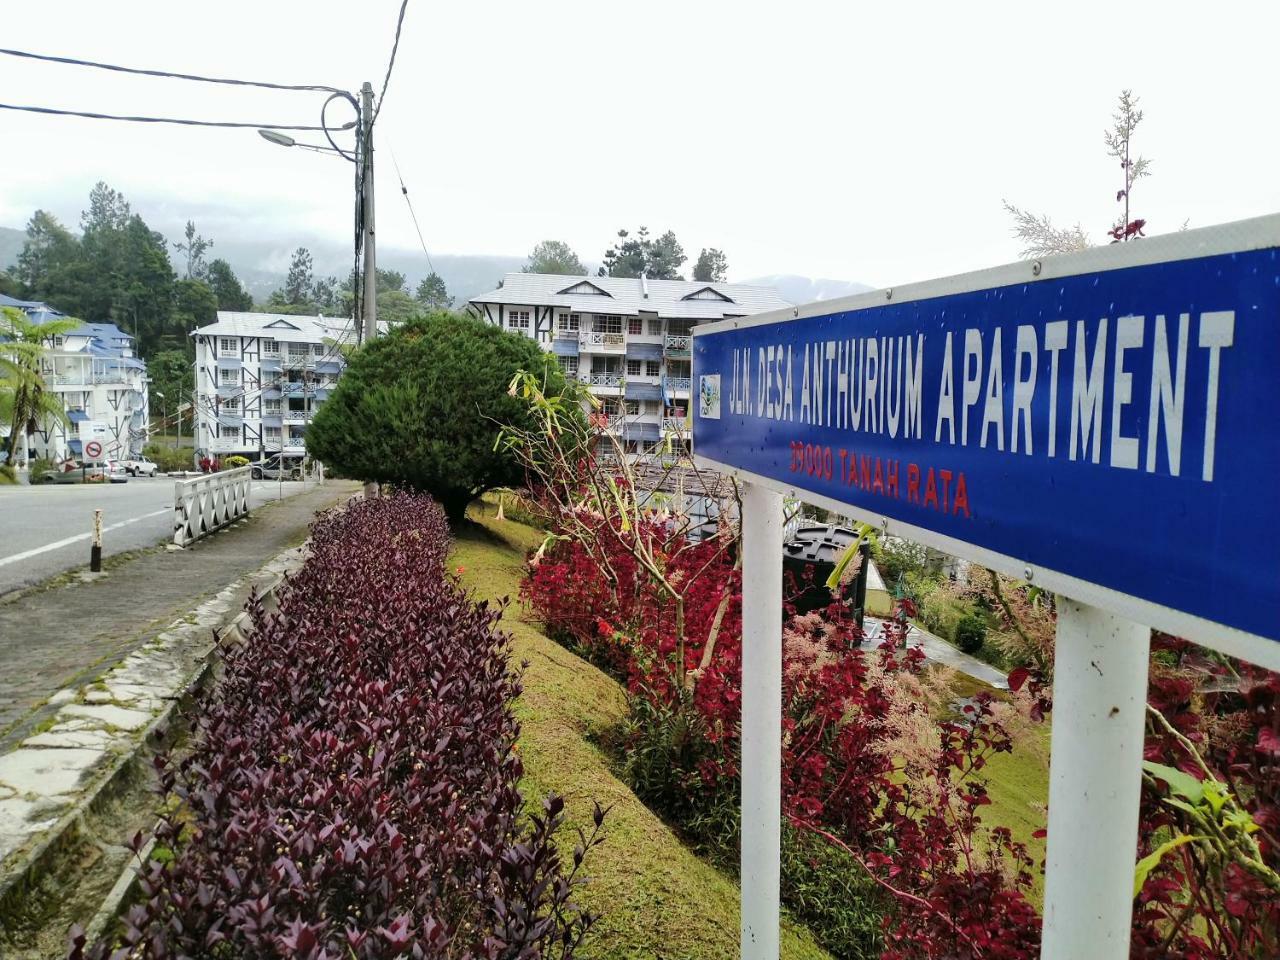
<point x="138" y="467"/>
<point x="271" y="469"/>
<point x="99" y="471"/>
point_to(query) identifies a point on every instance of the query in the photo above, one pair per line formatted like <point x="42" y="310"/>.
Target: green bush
<point x="832" y="895"/>
<point x="230" y="463"/>
<point x="421" y="408"/>
<point x="169" y="459"/>
<point x="970" y="632"/>
<point x="39" y="465"/>
<point x="8" y="476"/>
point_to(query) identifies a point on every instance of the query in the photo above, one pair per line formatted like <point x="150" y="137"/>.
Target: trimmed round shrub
<point x="421" y="409"/>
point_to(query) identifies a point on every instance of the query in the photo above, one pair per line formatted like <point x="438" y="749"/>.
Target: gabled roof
<point x="677" y="299"/>
<point x="285" y="327"/>
<point x="708" y="293"/>
<point x="585" y="288"/>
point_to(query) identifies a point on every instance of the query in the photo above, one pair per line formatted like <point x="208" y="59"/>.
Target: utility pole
<point x="370" y="328"/>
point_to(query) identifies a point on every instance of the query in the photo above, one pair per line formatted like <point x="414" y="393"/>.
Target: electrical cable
<point x="74" y="62"/>
<point x="405" y="190"/>
<point x="180" y="121"/>
<point x="391" y="62"/>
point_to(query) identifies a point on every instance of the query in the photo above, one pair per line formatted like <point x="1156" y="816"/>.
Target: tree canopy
<point x="642" y="255"/>
<point x="554" y="256"/>
<point x="422" y="408"/>
<point x="119" y="271"/>
<point x="712" y="266"/>
<point x="433" y="294"/>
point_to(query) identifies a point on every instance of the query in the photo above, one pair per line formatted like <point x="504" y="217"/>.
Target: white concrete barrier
<point x="207" y="503"/>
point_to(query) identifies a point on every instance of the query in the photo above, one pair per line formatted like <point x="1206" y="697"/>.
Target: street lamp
<point x="164" y="409"/>
<point x="364" y="159"/>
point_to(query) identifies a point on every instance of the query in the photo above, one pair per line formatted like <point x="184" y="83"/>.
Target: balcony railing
<point x="566" y="334"/>
<point x="602" y="342"/>
<point x="602" y="379"/>
<point x="676" y="346"/>
<point x="674" y="425"/>
<point x="677" y="384"/>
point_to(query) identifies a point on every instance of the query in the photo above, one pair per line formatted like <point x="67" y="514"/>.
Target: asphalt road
<point x="45" y="530"/>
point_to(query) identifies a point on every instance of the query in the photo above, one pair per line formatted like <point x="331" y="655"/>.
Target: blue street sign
<point x="1106" y="422"/>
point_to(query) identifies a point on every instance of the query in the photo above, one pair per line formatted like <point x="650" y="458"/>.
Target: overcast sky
<point x="868" y="142"/>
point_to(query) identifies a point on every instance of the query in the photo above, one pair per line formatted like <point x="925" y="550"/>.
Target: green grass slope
<point x="658" y="899"/>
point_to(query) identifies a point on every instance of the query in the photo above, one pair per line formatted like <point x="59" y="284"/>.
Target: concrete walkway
<point x="65" y="636"/>
<point x="938" y="650"/>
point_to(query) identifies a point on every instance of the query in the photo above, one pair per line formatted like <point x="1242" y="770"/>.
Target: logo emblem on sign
<point x="93" y="449"/>
<point x="709" y="396"/>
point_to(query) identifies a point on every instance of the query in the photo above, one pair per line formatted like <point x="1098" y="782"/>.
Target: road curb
<point x="23" y="878"/>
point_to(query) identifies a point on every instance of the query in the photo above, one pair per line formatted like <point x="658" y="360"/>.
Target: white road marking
<point x="67" y="541"/>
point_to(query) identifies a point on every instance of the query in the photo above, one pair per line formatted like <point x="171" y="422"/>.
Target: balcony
<point x="603" y="383"/>
<point x="596" y="342"/>
<point x="679" y="384"/>
<point x="675" y="425"/>
<point x="296" y="416"/>
<point x="566" y="334"/>
<point x="676" y="346"/>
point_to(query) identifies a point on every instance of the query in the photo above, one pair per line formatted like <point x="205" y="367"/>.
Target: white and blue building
<point x="260" y="377"/>
<point x="95" y="372"/>
<point x="627" y="339"/>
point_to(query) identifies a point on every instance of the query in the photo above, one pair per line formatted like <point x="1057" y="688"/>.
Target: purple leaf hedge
<point x="353" y="787"/>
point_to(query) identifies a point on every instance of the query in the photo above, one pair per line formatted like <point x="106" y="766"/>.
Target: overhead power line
<point x="392" y="62"/>
<point x="405" y="190"/>
<point x="178" y="120"/>
<point x="74" y="62"/>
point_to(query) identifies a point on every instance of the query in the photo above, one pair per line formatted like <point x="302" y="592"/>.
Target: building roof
<point x="105" y="333"/>
<point x="679" y="299"/>
<point x="284" y="327"/>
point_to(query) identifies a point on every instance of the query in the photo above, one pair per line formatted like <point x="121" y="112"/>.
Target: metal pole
<point x="370" y="252"/>
<point x="762" y="517"/>
<point x="95" y="551"/>
<point x="1095" y="778"/>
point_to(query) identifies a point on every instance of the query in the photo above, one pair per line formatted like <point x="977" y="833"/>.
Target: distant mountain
<point x="262" y="266"/>
<point x="800" y="289"/>
<point x="11" y="242"/>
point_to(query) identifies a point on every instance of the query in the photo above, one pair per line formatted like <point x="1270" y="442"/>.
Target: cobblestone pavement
<point x="62" y="637"/>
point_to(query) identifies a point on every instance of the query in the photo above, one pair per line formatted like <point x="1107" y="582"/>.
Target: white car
<point x="138" y="467"/>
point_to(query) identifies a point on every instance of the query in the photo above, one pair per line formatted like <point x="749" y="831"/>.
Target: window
<point x="680" y="328"/>
<point x="570" y="366"/>
<point x="633" y="368"/>
<point x="569" y="322"/>
<point x="226" y="377"/>
<point x="230" y="433"/>
<point x="518" y="319"/>
<point x="655" y="327"/>
<point x="270" y="348"/>
<point x="609" y="406"/>
<point x="231" y="405"/>
<point x="271" y="433"/>
<point x="297" y="405"/>
<point x="652" y="368"/>
<point x="635" y="326"/>
<point x="608" y="323"/>
<point x="650" y="408"/>
<point x="228" y="346"/>
<point x="272" y="408"/>
<point x="632" y="408"/>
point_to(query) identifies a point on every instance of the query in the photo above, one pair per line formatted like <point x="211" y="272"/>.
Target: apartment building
<point x="627" y="339"/>
<point x="95" y="373"/>
<point x="260" y="377"/>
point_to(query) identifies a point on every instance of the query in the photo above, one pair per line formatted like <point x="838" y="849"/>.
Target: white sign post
<point x="762" y="518"/>
<point x="1073" y="423"/>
